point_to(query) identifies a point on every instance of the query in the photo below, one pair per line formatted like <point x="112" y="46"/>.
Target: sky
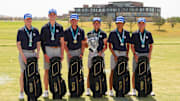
<point x="39" y="8"/>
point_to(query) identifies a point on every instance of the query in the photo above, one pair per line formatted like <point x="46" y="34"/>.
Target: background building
<point x="130" y="10"/>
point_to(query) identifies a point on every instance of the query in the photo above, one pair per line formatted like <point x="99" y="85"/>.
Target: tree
<point x="159" y="21"/>
<point x="131" y="21"/>
<point x="172" y="21"/>
<point x="108" y="21"/>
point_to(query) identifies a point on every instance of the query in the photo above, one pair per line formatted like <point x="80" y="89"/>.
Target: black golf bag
<point x="32" y="81"/>
<point x="75" y="77"/>
<point x="121" y="77"/>
<point x="143" y="80"/>
<point x="56" y="82"/>
<point x="97" y="77"/>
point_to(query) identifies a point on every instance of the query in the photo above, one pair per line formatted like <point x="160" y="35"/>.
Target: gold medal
<point x="75" y="41"/>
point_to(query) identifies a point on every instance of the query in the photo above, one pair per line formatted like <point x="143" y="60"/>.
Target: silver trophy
<point x="93" y="42"/>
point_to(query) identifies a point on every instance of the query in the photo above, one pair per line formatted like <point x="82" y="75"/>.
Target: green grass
<point x="165" y="62"/>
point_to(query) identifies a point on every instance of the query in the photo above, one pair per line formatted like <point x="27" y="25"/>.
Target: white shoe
<point x="21" y="96"/>
<point x="152" y="93"/>
<point x="45" y="94"/>
<point x="106" y="93"/>
<point x="111" y="93"/>
<point x="88" y="92"/>
<point x="133" y="92"/>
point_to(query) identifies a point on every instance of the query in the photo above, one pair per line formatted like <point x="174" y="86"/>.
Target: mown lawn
<point x="165" y="62"/>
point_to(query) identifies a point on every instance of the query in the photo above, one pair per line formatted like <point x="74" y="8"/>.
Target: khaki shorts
<point x="91" y="55"/>
<point x="51" y="52"/>
<point x="134" y="61"/>
<point x="28" y="54"/>
<point x="73" y="53"/>
<point x="118" y="53"/>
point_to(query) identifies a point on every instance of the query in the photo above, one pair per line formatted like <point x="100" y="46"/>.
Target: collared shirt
<point x="68" y="37"/>
<point x="24" y="38"/>
<point x="115" y="41"/>
<point x="135" y="39"/>
<point x="102" y="36"/>
<point x="46" y="36"/>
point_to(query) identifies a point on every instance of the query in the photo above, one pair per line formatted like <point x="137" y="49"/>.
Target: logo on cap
<point x="52" y="11"/>
<point x="141" y="20"/>
<point x="27" y="15"/>
<point x="74" y="16"/>
<point x="120" y="19"/>
<point x="96" y="19"/>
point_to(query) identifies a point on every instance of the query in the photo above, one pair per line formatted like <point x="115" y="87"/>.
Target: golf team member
<point x="28" y="40"/>
<point x="52" y="43"/>
<point x="118" y="40"/>
<point x="141" y="45"/>
<point x="74" y="39"/>
<point x="102" y="38"/>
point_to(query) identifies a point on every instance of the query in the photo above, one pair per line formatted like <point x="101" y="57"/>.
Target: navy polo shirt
<point x="69" y="38"/>
<point x="114" y="40"/>
<point x="24" y="38"/>
<point x="102" y="36"/>
<point x="46" y="36"/>
<point x="135" y="39"/>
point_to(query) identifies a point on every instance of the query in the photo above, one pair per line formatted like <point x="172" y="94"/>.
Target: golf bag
<point x="56" y="82"/>
<point x="143" y="80"/>
<point x="97" y="77"/>
<point x="75" y="77"/>
<point x="32" y="81"/>
<point x="121" y="77"/>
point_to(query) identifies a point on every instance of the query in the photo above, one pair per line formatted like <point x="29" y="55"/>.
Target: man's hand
<point x="115" y="58"/>
<point x="149" y="56"/>
<point x="136" y="58"/>
<point x="127" y="56"/>
<point x="81" y="56"/>
<point x="100" y="53"/>
<point x="69" y="56"/>
<point x="24" y="59"/>
<point x="46" y="58"/>
<point x="62" y="57"/>
<point x="37" y="55"/>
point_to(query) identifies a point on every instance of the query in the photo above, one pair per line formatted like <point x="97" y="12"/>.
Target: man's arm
<point x="112" y="51"/>
<point x="42" y="38"/>
<point x="150" y="51"/>
<point x="83" y="42"/>
<point x="62" y="48"/>
<point x="67" y="50"/>
<point x="134" y="52"/>
<point x="105" y="46"/>
<point x="127" y="52"/>
<point x="21" y="52"/>
<point x="38" y="48"/>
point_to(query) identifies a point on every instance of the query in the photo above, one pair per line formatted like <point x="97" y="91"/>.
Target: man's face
<point x="52" y="16"/>
<point x="141" y="25"/>
<point x="28" y="21"/>
<point x="96" y="24"/>
<point x="119" y="25"/>
<point x="74" y="22"/>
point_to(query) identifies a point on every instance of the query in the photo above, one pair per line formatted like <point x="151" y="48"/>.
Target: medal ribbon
<point x="142" y="38"/>
<point x="74" y="35"/>
<point x="118" y="34"/>
<point x="52" y="29"/>
<point x="29" y="35"/>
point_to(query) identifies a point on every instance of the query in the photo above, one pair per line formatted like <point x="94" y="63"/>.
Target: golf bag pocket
<point x="76" y="77"/>
<point x="143" y="79"/>
<point x="56" y="82"/>
<point x="32" y="81"/>
<point x="97" y="77"/>
<point x="121" y="77"/>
